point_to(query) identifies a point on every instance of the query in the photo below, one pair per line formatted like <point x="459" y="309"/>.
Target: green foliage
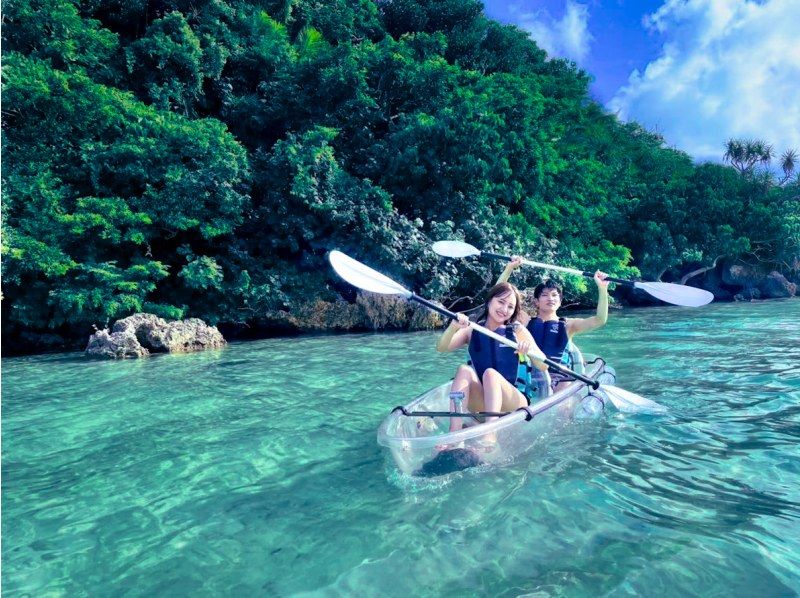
<point x="309" y="198"/>
<point x="103" y="291"/>
<point x="201" y="158"/>
<point x="202" y="273"/>
<point x="167" y="63"/>
<point x="99" y="190"/>
<point x="168" y="312"/>
<point x="336" y="20"/>
<point x="691" y="220"/>
<point x="55" y="31"/>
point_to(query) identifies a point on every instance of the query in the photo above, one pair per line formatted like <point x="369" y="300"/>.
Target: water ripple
<point x="254" y="470"/>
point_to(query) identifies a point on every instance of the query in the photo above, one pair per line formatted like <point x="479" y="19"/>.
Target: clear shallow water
<point x="254" y="471"/>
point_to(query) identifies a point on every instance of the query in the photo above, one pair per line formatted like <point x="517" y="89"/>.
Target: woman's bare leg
<point x="466" y="381"/>
<point x="499" y="395"/>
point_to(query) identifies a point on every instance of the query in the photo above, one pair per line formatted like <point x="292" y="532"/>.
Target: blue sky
<point x="696" y="71"/>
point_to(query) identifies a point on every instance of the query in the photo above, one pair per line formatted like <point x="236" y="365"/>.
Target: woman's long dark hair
<point x="502" y="288"/>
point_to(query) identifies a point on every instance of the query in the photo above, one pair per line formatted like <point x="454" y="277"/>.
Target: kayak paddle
<point x="364" y="277"/>
<point x="677" y="294"/>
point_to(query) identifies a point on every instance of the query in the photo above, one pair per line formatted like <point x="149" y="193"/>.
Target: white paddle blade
<point x="677" y="294"/>
<point x="455" y="249"/>
<point x="364" y="277"/>
<point x="629" y="402"/>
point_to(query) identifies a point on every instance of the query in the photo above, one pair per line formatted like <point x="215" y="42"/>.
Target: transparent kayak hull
<point x="414" y="441"/>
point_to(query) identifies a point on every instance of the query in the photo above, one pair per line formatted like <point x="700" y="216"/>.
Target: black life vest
<point x="485" y="353"/>
<point x="551" y="337"/>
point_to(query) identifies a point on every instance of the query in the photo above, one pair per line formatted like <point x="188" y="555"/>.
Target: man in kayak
<point x="493" y="381"/>
<point x="551" y="332"/>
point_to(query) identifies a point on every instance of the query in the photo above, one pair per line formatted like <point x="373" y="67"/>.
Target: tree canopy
<point x="201" y="158"/>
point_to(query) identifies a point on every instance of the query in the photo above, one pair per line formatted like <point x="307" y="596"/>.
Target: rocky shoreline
<point x="140" y="335"/>
<point x="742" y="282"/>
<point x="728" y="280"/>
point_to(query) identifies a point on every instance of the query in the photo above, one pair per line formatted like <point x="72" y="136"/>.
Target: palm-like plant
<point x="788" y="164"/>
<point x="744" y="155"/>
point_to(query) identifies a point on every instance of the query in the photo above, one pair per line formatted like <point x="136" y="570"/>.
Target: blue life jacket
<point x="551" y="337"/>
<point x="485" y="353"/>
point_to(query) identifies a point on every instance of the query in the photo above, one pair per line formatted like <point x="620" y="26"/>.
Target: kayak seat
<point x="540" y="385"/>
<point x="576" y="362"/>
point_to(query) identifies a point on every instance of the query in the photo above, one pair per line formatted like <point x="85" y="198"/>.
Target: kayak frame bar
<point x="474" y="415"/>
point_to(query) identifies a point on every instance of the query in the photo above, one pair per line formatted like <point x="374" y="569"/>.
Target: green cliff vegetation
<point x="200" y="158"/>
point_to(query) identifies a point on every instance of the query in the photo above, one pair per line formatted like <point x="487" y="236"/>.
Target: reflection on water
<point x="254" y="470"/>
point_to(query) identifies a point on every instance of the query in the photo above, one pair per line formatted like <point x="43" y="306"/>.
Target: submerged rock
<point x="141" y="334"/>
<point x="449" y="461"/>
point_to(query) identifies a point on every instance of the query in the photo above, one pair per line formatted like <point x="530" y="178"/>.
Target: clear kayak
<point x="423" y="444"/>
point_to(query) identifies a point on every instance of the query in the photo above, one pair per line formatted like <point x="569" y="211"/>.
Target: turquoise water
<point x="254" y="471"/>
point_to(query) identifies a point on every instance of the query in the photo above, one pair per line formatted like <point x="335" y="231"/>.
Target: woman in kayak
<point x="492" y="383"/>
<point x="551" y="332"/>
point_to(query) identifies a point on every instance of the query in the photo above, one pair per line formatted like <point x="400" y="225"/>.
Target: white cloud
<point x="729" y="68"/>
<point x="567" y="37"/>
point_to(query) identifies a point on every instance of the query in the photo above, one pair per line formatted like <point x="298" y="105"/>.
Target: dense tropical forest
<point x="201" y="158"/>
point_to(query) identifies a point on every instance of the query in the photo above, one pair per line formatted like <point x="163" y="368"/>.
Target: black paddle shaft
<point x="553" y="364"/>
<point x="497" y="256"/>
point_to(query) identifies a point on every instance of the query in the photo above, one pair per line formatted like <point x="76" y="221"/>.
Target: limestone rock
<point x="712" y="281"/>
<point x="749" y="294"/>
<point x="185" y="336"/>
<point x="147" y="328"/>
<point x="775" y="286"/>
<point x="528" y="300"/>
<point x="319" y="315"/>
<point x="753" y="283"/>
<point x="116" y="345"/>
<point x="745" y="279"/>
<point x="423" y="318"/>
<point x="741" y="275"/>
<point x="140" y="334"/>
<point x="383" y="311"/>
